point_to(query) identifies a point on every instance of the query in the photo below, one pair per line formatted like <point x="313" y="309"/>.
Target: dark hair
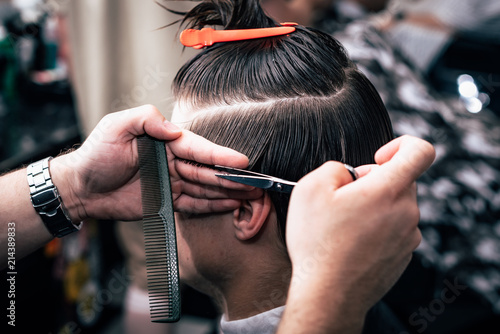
<point x="289" y="103"/>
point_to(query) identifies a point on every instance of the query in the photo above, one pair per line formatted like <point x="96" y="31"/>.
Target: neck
<point x="259" y="286"/>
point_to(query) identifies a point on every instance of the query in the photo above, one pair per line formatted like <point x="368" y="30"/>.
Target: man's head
<point x="289" y="103"/>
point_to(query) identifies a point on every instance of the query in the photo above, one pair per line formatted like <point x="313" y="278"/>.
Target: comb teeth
<point x="159" y="231"/>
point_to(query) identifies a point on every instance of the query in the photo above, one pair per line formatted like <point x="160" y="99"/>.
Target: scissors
<point x="255" y="179"/>
<point x="264" y="181"/>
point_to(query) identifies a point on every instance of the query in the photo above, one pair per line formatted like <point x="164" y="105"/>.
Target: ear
<point x="249" y="218"/>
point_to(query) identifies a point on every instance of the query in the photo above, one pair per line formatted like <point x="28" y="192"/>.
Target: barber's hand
<point x="101" y="178"/>
<point x="354" y="239"/>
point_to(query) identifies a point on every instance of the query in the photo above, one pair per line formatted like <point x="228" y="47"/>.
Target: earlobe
<point x="250" y="217"/>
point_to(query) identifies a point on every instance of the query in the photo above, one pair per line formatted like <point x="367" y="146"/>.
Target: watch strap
<point x="47" y="201"/>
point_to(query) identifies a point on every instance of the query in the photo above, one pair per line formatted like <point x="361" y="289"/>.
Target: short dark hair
<point x="290" y="103"/>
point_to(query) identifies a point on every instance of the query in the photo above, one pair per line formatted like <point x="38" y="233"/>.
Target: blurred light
<point x="3" y="32"/>
<point x="473" y="100"/>
<point x="464" y="78"/>
<point x="484" y="98"/>
<point x="30" y="9"/>
<point x="468" y="89"/>
<point x="473" y="105"/>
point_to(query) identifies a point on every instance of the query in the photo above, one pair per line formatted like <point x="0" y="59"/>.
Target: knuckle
<point x="417" y="238"/>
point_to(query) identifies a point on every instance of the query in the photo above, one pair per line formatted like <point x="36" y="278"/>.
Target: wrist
<point x="342" y="311"/>
<point x="64" y="179"/>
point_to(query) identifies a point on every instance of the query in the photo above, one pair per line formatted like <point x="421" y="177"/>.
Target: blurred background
<point x="64" y="64"/>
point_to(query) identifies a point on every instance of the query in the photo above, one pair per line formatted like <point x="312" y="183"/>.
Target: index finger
<point x="192" y="147"/>
<point x="365" y="169"/>
<point x="331" y="174"/>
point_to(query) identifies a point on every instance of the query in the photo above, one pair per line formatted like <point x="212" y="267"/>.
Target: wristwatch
<point x="46" y="200"/>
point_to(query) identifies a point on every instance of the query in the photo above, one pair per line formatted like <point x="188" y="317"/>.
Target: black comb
<point x="159" y="231"/>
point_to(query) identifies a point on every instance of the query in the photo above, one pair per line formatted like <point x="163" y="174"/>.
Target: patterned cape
<point x="459" y="196"/>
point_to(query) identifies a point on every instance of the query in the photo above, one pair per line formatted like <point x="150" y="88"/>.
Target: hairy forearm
<point x="18" y="216"/>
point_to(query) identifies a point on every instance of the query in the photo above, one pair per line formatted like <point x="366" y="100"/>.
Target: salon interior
<point x="64" y="64"/>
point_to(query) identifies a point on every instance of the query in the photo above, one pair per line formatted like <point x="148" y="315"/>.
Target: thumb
<point x="404" y="159"/>
<point x="155" y="124"/>
<point x="138" y="121"/>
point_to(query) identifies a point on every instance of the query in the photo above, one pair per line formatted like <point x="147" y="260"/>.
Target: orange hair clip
<point x="208" y="36"/>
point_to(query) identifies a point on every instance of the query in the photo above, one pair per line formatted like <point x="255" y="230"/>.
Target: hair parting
<point x="290" y="103"/>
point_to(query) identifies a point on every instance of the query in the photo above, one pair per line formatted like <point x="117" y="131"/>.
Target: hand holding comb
<point x="159" y="231"/>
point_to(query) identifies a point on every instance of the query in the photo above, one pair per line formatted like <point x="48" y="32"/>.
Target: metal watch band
<point x="46" y="200"/>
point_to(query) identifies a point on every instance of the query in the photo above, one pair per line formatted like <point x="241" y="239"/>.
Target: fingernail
<point x="171" y="126"/>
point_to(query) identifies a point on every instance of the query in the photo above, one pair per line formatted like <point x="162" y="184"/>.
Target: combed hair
<point x="290" y="103"/>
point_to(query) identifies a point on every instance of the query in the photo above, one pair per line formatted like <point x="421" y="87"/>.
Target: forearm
<point x="18" y="214"/>
<point x="316" y="306"/>
<point x="18" y="217"/>
<point x="101" y="179"/>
